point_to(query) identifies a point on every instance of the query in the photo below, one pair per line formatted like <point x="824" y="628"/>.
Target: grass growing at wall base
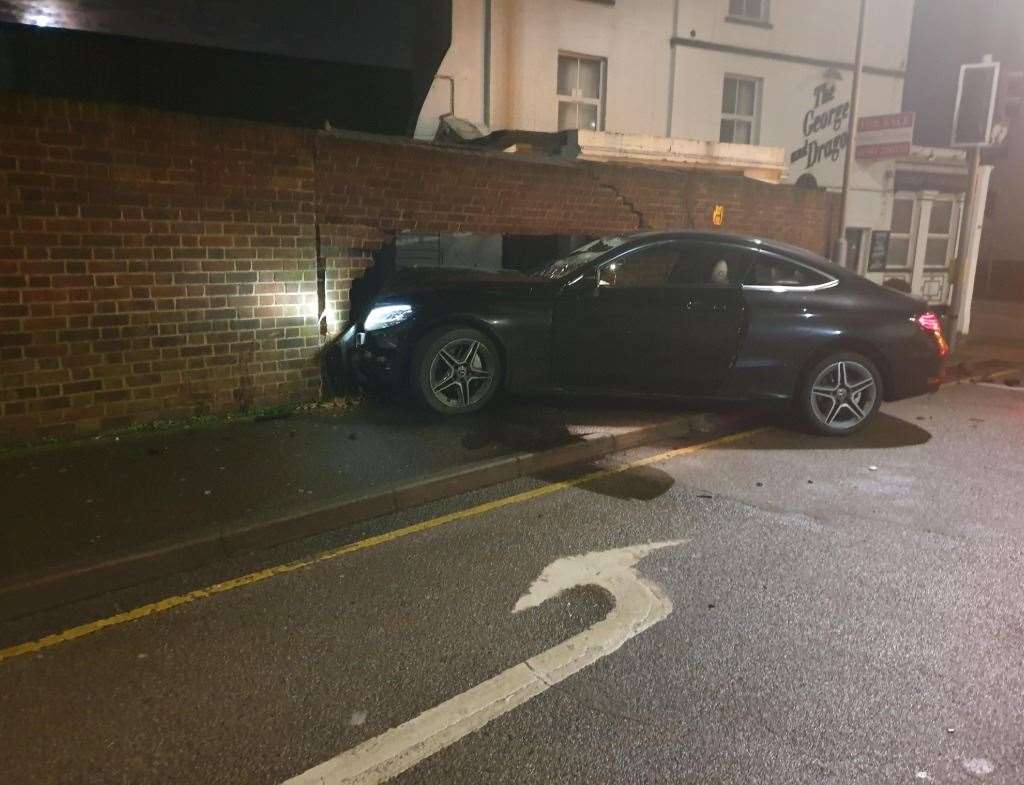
<point x="334" y="407"/>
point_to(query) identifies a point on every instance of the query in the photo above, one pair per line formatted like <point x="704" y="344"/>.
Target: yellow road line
<point x="167" y="603"/>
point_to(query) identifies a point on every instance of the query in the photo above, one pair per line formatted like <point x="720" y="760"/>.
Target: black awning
<point x="362" y="66"/>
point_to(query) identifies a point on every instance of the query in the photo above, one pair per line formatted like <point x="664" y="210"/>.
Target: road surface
<point x="839" y="611"/>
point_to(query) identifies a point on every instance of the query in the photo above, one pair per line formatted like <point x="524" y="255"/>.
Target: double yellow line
<point x="166" y="604"/>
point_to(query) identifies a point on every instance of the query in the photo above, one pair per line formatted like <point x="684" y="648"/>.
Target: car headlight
<point x="384" y="316"/>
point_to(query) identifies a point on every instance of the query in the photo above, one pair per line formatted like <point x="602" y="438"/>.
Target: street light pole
<point x="851" y="137"/>
<point x="963" y="254"/>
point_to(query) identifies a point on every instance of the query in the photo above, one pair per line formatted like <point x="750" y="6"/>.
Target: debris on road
<point x="357" y="718"/>
<point x="979" y="767"/>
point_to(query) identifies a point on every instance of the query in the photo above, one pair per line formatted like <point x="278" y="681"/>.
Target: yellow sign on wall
<point x="718" y="216"/>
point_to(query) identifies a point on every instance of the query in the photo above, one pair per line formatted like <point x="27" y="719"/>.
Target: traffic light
<point x="975" y="104"/>
<point x="1009" y="100"/>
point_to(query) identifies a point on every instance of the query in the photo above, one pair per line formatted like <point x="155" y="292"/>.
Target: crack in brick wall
<point x="641" y="222"/>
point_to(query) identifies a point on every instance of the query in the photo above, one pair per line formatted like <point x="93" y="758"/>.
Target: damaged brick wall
<point x="158" y="266"/>
<point x="369" y="189"/>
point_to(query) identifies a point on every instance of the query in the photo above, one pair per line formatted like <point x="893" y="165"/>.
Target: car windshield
<point x="585" y="253"/>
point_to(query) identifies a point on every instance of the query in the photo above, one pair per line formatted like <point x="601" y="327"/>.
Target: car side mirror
<point x="585" y="286"/>
<point x="606" y="276"/>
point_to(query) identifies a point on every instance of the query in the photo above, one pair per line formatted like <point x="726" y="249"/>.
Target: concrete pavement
<point x="90" y="517"/>
<point x="845" y="611"/>
<point x="998" y="322"/>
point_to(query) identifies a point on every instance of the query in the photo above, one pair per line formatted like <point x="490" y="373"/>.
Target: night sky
<point x="947" y="33"/>
<point x="329" y="30"/>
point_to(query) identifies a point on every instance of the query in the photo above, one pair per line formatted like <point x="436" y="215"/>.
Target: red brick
<point x="114" y="264"/>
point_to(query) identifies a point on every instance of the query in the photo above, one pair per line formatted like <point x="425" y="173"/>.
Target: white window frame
<point x="910" y="234"/>
<point x="754" y="119"/>
<point x="859" y="265"/>
<point x="576" y="97"/>
<point x="746" y="16"/>
<point x="950" y="234"/>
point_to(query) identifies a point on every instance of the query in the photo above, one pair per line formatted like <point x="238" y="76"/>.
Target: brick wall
<point x="155" y="265"/>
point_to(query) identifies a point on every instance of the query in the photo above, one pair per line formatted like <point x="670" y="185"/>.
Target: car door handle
<point x="698" y="306"/>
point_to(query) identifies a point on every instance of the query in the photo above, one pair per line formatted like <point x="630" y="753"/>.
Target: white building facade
<point x="770" y="73"/>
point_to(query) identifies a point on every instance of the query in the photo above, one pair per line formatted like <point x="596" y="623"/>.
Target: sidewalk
<point x="998" y="324"/>
<point x="975" y="351"/>
<point x="81" y="518"/>
<point x="978" y="359"/>
<point x="996" y="341"/>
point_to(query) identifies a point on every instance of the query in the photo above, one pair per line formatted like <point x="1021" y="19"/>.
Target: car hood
<point x="422" y="279"/>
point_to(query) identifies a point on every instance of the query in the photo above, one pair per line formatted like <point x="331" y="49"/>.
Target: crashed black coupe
<point x="687" y="314"/>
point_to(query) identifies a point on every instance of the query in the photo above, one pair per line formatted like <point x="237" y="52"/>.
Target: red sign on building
<point x="884" y="136"/>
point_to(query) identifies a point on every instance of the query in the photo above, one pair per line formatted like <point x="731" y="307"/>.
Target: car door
<point x="712" y="274"/>
<point x="788" y="316"/>
<point x="647" y="321"/>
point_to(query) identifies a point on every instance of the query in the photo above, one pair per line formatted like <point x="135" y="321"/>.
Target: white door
<point x="922" y="245"/>
<point x="940" y="216"/>
<point x="898" y="267"/>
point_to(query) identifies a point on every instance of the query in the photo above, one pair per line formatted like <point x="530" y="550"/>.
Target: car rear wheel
<point x="841" y="394"/>
<point x="456" y="370"/>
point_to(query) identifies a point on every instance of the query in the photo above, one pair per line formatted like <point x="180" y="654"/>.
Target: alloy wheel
<point x="461" y="373"/>
<point x="843" y="395"/>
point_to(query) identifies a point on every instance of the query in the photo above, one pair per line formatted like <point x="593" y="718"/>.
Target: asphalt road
<point x="842" y="612"/>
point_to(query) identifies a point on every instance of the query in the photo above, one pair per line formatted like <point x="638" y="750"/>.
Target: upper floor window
<point x="749" y="11"/>
<point x="581" y="89"/>
<point x="741" y="109"/>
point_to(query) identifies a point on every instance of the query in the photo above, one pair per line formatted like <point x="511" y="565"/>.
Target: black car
<point x="686" y="314"/>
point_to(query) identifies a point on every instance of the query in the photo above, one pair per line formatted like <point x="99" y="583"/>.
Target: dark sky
<point x="947" y="33"/>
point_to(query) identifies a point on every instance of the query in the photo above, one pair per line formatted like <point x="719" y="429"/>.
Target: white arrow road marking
<point x="639" y="604"/>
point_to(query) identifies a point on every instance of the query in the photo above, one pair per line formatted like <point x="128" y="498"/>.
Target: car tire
<point x="456" y="370"/>
<point x="840" y="395"/>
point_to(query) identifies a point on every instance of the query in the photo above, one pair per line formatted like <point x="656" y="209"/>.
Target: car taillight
<point x="930" y="322"/>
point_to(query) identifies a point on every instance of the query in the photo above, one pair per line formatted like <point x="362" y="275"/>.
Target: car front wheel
<point x="456" y="370"/>
<point x="841" y="394"/>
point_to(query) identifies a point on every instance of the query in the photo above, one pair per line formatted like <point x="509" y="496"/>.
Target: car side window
<point x="710" y="264"/>
<point x="684" y="264"/>
<point x="642" y="269"/>
<point x="770" y="270"/>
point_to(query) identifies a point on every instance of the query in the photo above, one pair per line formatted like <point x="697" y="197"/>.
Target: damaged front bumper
<point x="371" y="359"/>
